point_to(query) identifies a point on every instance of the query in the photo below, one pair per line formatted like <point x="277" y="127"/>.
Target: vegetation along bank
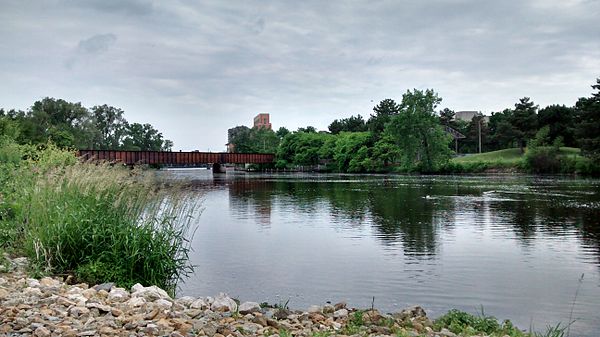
<point x="410" y="136"/>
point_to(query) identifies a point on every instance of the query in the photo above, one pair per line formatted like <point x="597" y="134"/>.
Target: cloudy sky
<point x="193" y="69"/>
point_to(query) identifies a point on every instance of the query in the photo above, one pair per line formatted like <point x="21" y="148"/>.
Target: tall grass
<point x="100" y="222"/>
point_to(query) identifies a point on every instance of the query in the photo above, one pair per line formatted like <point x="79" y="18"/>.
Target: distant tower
<point x="262" y="121"/>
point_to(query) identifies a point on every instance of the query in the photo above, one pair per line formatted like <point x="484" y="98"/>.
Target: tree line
<point x="71" y="125"/>
<point x="410" y="135"/>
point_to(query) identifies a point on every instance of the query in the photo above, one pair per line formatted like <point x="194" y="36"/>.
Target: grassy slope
<point x="506" y="156"/>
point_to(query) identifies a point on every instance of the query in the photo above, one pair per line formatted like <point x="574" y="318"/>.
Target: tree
<point x="109" y="126"/>
<point x="524" y="121"/>
<point x="447" y="118"/>
<point x="422" y="141"/>
<point x="255" y="140"/>
<point x="385" y="152"/>
<point x="142" y="137"/>
<point x="302" y="148"/>
<point x="383" y="112"/>
<point x="588" y="124"/>
<point x="308" y="129"/>
<point x="501" y="132"/>
<point x="282" y="132"/>
<point x="560" y="120"/>
<point x="350" y="124"/>
<point x="347" y="146"/>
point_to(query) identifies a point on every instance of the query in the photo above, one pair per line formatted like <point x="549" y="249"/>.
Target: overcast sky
<point x="193" y="69"/>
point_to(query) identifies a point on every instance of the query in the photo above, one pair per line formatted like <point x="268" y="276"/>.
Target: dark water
<point x="514" y="246"/>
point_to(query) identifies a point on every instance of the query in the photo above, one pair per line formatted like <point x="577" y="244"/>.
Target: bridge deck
<point x="176" y="158"/>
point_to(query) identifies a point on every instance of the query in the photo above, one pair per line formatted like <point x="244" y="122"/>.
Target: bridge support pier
<point x="218" y="168"/>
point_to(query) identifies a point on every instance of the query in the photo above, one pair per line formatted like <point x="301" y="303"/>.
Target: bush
<point x="463" y="323"/>
<point x="106" y="224"/>
<point x="101" y="223"/>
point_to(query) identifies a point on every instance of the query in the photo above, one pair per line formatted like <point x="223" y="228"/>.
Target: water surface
<point x="515" y="247"/>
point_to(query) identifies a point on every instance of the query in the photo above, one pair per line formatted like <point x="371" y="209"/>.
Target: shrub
<point x="460" y="322"/>
<point x="106" y="224"/>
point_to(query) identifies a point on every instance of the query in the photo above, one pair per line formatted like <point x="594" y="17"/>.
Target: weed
<point x="284" y="333"/>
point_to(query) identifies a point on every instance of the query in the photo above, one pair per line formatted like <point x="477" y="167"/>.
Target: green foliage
<point x="541" y="158"/>
<point x="561" y="121"/>
<point x="587" y="128"/>
<point x="351" y="151"/>
<point x="100" y="222"/>
<point x="422" y="141"/>
<point x="302" y="148"/>
<point x="463" y="323"/>
<point x="524" y="121"/>
<point x="255" y="140"/>
<point x="383" y="113"/>
<point x="71" y="125"/>
<point x="350" y="124"/>
<point x="354" y="324"/>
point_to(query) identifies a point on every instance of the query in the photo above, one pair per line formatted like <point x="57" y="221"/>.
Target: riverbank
<point x="52" y="306"/>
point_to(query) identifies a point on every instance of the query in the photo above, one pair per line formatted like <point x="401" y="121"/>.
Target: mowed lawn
<point x="506" y="156"/>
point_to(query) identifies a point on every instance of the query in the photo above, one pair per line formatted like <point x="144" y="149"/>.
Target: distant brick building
<point x="262" y="121"/>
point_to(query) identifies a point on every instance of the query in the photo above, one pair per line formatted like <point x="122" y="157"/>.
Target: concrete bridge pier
<point x="218" y="168"/>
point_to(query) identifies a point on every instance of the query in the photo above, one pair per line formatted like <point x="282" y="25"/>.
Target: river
<point x="515" y="247"/>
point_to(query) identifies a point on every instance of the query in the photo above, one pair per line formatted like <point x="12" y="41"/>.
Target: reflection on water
<point x="516" y="246"/>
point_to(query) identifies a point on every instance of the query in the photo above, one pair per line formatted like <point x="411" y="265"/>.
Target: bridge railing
<point x="175" y="158"/>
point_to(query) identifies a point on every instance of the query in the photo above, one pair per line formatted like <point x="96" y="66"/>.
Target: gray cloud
<point x="96" y="44"/>
<point x="194" y="69"/>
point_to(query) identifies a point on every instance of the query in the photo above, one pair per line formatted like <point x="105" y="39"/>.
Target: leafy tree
<point x="560" y="120"/>
<point x="302" y="148"/>
<point x="308" y="129"/>
<point x="9" y="128"/>
<point x="501" y="132"/>
<point x="588" y="124"/>
<point x="347" y="145"/>
<point x="383" y="113"/>
<point x="422" y="141"/>
<point x="142" y="137"/>
<point x="447" y="118"/>
<point x="350" y="124"/>
<point x="385" y="152"/>
<point x="282" y="132"/>
<point x="524" y="121"/>
<point x="109" y="125"/>
<point x="255" y="140"/>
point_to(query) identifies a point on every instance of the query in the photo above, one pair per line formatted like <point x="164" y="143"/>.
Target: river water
<point x="515" y="247"/>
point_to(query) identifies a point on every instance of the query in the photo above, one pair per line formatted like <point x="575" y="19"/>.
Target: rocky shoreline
<point x="52" y="307"/>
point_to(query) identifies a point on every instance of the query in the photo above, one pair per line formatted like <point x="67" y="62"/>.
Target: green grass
<point x="567" y="160"/>
<point x="100" y="222"/>
<point x="509" y="156"/>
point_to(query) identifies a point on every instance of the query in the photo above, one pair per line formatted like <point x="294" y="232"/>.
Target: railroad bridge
<point x="216" y="159"/>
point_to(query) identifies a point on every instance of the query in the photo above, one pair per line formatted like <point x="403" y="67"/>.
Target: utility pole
<point x="479" y="124"/>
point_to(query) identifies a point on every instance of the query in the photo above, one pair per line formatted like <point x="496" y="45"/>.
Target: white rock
<point x="79" y="311"/>
<point x="33" y="282"/>
<point x="151" y="293"/>
<point x="222" y="303"/>
<point x="162" y="303"/>
<point x="186" y="301"/>
<point x="29" y="291"/>
<point x="136" y="287"/>
<point x="77" y="298"/>
<point x="118" y="295"/>
<point x="99" y="306"/>
<point x="199" y="304"/>
<point x="249" y="307"/>
<point x="136" y="302"/>
<point x="340" y="313"/>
